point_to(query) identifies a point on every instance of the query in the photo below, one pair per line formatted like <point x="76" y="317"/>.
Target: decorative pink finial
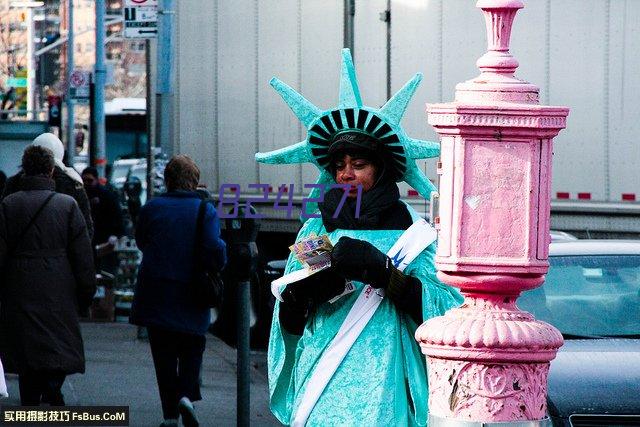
<point x="499" y="16"/>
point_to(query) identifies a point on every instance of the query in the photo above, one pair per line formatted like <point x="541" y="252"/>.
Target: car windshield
<point x="589" y="296"/>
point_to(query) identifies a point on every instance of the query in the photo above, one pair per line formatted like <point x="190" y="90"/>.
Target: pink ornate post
<point x="488" y="361"/>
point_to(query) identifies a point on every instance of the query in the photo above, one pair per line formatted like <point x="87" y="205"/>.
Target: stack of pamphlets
<point x="314" y="253"/>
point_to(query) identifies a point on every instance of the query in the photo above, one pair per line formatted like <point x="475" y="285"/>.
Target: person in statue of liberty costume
<point x="345" y="362"/>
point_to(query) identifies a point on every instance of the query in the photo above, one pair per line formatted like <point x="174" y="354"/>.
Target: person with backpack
<point x="46" y="279"/>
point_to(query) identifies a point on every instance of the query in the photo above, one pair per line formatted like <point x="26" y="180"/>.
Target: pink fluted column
<point x="488" y="361"/>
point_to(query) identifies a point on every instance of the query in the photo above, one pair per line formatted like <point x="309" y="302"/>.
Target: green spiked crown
<point x="350" y="115"/>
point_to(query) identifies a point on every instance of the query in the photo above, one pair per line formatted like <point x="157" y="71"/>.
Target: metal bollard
<point x="243" y="353"/>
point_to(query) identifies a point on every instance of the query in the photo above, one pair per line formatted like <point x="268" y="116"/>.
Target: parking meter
<point x="241" y="233"/>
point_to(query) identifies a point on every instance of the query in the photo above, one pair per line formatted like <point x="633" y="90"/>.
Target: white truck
<point x="583" y="54"/>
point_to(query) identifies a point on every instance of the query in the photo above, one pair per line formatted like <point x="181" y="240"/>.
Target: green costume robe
<point x="382" y="379"/>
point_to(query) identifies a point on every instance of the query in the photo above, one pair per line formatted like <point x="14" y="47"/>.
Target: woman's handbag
<point x="207" y="286"/>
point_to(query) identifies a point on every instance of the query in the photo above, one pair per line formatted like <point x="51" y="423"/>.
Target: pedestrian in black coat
<point x="105" y="208"/>
<point x="46" y="277"/>
<point x="67" y="180"/>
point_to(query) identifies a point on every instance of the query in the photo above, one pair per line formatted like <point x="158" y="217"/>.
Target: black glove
<point x="359" y="260"/>
<point x="314" y="290"/>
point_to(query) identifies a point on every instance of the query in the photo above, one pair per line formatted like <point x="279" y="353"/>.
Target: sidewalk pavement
<point x="119" y="371"/>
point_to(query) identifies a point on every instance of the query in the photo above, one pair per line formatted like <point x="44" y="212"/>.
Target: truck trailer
<point x="581" y="53"/>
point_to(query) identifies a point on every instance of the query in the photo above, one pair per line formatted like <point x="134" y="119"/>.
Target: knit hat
<point x="53" y="143"/>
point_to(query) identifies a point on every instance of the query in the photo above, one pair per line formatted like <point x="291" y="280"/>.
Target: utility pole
<point x="98" y="99"/>
<point x="92" y="122"/>
<point x="31" y="66"/>
<point x="349" y="16"/>
<point x="387" y="20"/>
<point x="150" y="137"/>
<point x="71" y="148"/>
<point x="164" y="77"/>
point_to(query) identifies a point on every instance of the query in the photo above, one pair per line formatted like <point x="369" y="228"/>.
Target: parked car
<point x="120" y="171"/>
<point x="138" y="170"/>
<point x="80" y="161"/>
<point x="592" y="295"/>
<point x="561" y="236"/>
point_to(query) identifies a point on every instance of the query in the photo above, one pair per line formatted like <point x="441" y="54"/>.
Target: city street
<point x="120" y="372"/>
<point x="425" y="212"/>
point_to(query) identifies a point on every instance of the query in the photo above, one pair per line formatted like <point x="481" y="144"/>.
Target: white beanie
<point x="53" y="143"/>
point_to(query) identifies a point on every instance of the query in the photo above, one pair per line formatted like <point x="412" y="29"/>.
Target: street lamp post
<point x="165" y="77"/>
<point x="31" y="66"/>
<point x="71" y="148"/>
<point x="100" y="77"/>
<point x="487" y="360"/>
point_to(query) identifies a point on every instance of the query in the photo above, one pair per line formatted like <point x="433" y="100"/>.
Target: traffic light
<point x="48" y="71"/>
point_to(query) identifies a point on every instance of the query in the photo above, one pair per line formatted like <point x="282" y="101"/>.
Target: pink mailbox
<point x="495" y="165"/>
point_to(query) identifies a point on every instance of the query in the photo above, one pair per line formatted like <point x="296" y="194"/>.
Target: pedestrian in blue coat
<point x="176" y="321"/>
